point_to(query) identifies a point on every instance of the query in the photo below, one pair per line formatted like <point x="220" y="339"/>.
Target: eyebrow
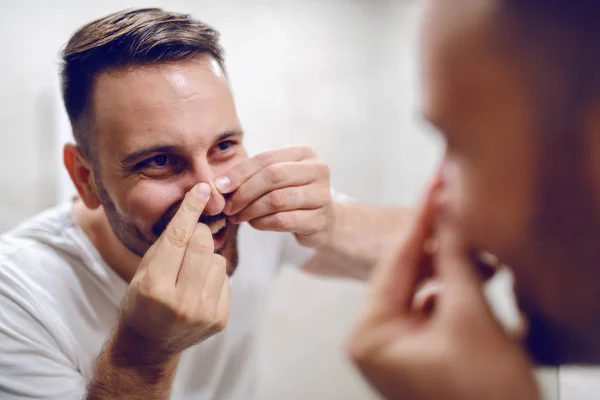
<point x="228" y="135"/>
<point x="145" y="152"/>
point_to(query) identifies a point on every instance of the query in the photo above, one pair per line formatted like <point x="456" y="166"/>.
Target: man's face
<point x="497" y="175"/>
<point x="160" y="130"/>
<point x="478" y="103"/>
<point x="474" y="99"/>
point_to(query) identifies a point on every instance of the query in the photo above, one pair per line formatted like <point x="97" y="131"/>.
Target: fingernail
<point x="222" y="183"/>
<point x="202" y="190"/>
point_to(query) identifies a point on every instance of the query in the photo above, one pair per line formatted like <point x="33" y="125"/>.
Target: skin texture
<point x="455" y="350"/>
<point x="509" y="185"/>
<point x="178" y="297"/>
<point x="160" y="130"/>
<point x="183" y="110"/>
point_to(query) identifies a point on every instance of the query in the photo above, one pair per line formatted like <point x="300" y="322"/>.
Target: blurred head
<point x="512" y="85"/>
<point x="152" y="115"/>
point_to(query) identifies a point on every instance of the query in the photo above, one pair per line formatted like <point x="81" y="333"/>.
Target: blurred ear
<point x="82" y="175"/>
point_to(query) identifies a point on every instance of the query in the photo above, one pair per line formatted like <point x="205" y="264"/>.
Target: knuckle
<point x="264" y="159"/>
<point x="307" y="152"/>
<point x="237" y="173"/>
<point x="278" y="200"/>
<point x="241" y="195"/>
<point x="220" y="324"/>
<point x="274" y="174"/>
<point x="282" y="221"/>
<point x="202" y="239"/>
<point x="323" y="169"/>
<point x="189" y="310"/>
<point x="206" y="317"/>
<point x="220" y="262"/>
<point x="177" y="236"/>
<point x="184" y="313"/>
<point x="148" y="290"/>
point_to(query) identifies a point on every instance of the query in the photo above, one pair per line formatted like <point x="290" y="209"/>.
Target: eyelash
<point x="229" y="142"/>
<point x="146" y="163"/>
<point x="172" y="160"/>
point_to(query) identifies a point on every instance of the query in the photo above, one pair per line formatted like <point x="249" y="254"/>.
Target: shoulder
<point x="39" y="260"/>
<point x="39" y="246"/>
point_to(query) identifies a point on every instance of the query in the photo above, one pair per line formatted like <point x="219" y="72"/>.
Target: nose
<point x="216" y="204"/>
<point x="204" y="173"/>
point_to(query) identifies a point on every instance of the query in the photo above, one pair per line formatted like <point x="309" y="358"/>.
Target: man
<point x="177" y="233"/>
<point x="513" y="88"/>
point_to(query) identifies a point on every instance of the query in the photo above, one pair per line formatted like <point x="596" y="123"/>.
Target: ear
<point x="82" y="175"/>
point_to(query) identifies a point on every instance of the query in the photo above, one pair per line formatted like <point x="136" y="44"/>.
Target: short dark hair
<point x="123" y="39"/>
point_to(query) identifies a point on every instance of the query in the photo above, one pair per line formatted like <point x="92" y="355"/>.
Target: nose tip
<point x="216" y="203"/>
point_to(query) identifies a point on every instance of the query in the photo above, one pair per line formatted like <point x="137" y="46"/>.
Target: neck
<point x="95" y="225"/>
<point x="564" y="321"/>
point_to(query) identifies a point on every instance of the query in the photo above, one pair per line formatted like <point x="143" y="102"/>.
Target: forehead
<point x="457" y="50"/>
<point x="132" y="106"/>
<point x="475" y="92"/>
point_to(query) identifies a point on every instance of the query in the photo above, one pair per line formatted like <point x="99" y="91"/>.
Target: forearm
<point x="128" y="370"/>
<point x="359" y="234"/>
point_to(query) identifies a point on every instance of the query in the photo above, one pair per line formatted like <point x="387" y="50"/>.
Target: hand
<point x="457" y="351"/>
<point x="285" y="190"/>
<point x="179" y="295"/>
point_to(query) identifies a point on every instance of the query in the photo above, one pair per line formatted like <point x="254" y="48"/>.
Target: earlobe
<point x="82" y="175"/>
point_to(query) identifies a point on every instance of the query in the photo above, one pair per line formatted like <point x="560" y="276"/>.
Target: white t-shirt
<point x="59" y="302"/>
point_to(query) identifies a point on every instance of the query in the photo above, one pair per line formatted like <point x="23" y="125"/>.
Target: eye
<point x="160" y="160"/>
<point x="226" y="144"/>
<point x="157" y="161"/>
<point x="160" y="165"/>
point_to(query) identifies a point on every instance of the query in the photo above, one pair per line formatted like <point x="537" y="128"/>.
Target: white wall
<point x="337" y="75"/>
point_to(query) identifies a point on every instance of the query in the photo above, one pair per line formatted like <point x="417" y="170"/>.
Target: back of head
<point x="121" y="40"/>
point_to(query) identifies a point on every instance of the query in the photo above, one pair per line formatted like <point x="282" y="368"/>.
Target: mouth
<point x="218" y="229"/>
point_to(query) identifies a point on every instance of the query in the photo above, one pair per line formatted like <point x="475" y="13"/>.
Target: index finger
<point x="394" y="278"/>
<point x="453" y="265"/>
<point x="240" y="173"/>
<point x="173" y="241"/>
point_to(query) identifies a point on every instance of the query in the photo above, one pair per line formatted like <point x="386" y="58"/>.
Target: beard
<point x="135" y="240"/>
<point x="559" y="260"/>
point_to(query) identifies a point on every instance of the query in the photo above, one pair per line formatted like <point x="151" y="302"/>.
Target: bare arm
<point x="359" y="234"/>
<point x="129" y="370"/>
<point x="289" y="190"/>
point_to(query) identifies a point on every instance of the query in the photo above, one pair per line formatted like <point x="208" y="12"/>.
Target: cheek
<point x="219" y="168"/>
<point x="485" y="204"/>
<point x="148" y="201"/>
